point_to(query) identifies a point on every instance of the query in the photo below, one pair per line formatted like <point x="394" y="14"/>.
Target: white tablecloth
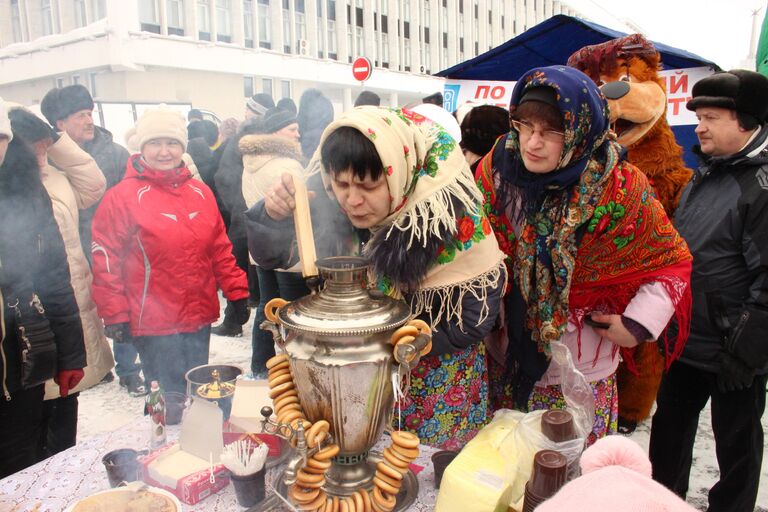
<point x="55" y="483"/>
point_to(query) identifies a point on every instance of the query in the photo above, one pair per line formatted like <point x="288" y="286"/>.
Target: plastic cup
<point x="548" y="476"/>
<point x="175" y="403"/>
<point x="440" y="461"/>
<point x="122" y="466"/>
<point x="249" y="489"/>
<point x="557" y="425"/>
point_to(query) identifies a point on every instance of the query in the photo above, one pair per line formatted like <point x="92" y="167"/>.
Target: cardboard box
<point x="185" y="468"/>
<point x="250" y="396"/>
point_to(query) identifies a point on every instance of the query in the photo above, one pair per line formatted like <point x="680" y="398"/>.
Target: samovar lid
<point x="344" y="305"/>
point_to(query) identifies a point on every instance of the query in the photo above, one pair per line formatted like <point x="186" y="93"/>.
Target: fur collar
<point x="272" y="145"/>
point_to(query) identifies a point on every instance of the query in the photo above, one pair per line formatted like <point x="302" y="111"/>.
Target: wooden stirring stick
<point x="302" y="221"/>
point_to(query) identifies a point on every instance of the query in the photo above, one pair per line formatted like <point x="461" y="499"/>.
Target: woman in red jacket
<point x="160" y="252"/>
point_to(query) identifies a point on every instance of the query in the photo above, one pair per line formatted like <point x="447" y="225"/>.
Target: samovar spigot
<point x="409" y="353"/>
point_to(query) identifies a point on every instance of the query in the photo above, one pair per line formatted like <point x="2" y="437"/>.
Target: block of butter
<point x="478" y="479"/>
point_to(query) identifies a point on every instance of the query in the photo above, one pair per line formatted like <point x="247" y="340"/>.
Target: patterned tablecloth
<point x="55" y="483"/>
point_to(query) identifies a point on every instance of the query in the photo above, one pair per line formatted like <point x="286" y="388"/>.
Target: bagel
<point x="314" y="471"/>
<point x="385" y="487"/>
<point x="395" y="461"/>
<point x="408" y="454"/>
<point x="404" y="438"/>
<point x="279" y="390"/>
<point x="271" y="308"/>
<point x="387" y="501"/>
<point x="315" y="504"/>
<point x="304" y="477"/>
<point x="279" y="367"/>
<point x="327" y="453"/>
<point x="279" y="379"/>
<point x="317" y="433"/>
<point x="302" y="495"/>
<point x="275" y="360"/>
<point x="328" y="505"/>
<point x="286" y="398"/>
<point x="427" y="348"/>
<point x="287" y="416"/>
<point x="394" y="482"/>
<point x="387" y="470"/>
<point x="366" y="499"/>
<point x="406" y="330"/>
<point x="421" y="325"/>
<point x="343" y="505"/>
<point x="318" y="464"/>
<point x="288" y="407"/>
<point x="358" y="501"/>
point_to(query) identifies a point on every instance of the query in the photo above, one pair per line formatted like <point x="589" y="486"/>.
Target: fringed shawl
<point x="436" y="242"/>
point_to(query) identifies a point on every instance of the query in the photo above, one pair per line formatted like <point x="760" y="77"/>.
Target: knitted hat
<point x="740" y="90"/>
<point x="5" y="124"/>
<point x="482" y="126"/>
<point x="260" y="103"/>
<point x="368" y="98"/>
<point x="276" y="119"/>
<point x="616" y="476"/>
<point x="158" y="123"/>
<point x="315" y="113"/>
<point x="61" y="103"/>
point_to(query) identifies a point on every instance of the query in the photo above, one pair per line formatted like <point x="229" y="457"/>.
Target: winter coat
<point x="160" y="253"/>
<point x="723" y="215"/>
<point x="229" y="184"/>
<point x="265" y="159"/>
<point x="74" y="182"/>
<point x="111" y="158"/>
<point x="335" y="236"/>
<point x="33" y="260"/>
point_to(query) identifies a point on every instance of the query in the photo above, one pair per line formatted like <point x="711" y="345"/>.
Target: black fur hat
<point x="744" y="91"/>
<point x="61" y="103"/>
<point x="482" y="126"/>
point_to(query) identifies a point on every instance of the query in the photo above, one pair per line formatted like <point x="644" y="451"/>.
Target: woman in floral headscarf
<point x="405" y="188"/>
<point x="587" y="244"/>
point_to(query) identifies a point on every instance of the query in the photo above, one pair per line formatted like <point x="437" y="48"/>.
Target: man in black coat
<point x="33" y="265"/>
<point x="723" y="215"/>
<point x="70" y="109"/>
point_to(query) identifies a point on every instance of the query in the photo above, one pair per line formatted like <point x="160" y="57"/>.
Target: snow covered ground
<point x="107" y="407"/>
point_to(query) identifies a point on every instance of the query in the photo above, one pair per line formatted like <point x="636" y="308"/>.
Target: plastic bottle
<point x="156" y="411"/>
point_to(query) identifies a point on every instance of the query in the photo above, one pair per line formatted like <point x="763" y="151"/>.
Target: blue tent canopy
<point x="552" y="42"/>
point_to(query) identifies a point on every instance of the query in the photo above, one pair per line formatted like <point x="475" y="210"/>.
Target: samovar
<point x="338" y="344"/>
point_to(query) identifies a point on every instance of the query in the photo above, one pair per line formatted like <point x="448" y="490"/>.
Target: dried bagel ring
<point x="271" y="308"/>
<point x="319" y="464"/>
<point x="395" y="461"/>
<point x="343" y="505"/>
<point x="275" y="360"/>
<point x="286" y="398"/>
<point x="407" y="453"/>
<point x="387" y="470"/>
<point x="279" y="390"/>
<point x="328" y="452"/>
<point x="317" y="433"/>
<point x="405" y="439"/>
<point x="315" y="504"/>
<point x="287" y="416"/>
<point x="358" y="500"/>
<point x="427" y="348"/>
<point x="366" y="499"/>
<point x="406" y="330"/>
<point x="288" y="407"/>
<point x="279" y="379"/>
<point x="387" y="501"/>
<point x="384" y="486"/>
<point x="394" y="482"/>
<point x="421" y="325"/>
<point x="300" y="494"/>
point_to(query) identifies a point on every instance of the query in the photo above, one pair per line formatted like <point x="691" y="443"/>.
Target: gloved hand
<point x="68" y="379"/>
<point x="120" y="333"/>
<point x="242" y="313"/>
<point x="734" y="374"/>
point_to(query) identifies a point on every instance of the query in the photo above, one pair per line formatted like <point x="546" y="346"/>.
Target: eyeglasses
<point x="526" y="129"/>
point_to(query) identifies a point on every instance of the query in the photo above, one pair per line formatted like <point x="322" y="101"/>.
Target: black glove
<point x="120" y="333"/>
<point x="240" y="308"/>
<point x="734" y="374"/>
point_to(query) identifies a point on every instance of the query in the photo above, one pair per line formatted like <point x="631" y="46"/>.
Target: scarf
<point x="590" y="245"/>
<point x="435" y="244"/>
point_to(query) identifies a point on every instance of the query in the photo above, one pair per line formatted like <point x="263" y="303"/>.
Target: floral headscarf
<point x="435" y="205"/>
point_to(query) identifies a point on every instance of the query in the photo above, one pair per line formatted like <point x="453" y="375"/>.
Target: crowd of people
<point x="505" y="230"/>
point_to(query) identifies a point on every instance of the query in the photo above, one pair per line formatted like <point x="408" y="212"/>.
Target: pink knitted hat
<point x="616" y="475"/>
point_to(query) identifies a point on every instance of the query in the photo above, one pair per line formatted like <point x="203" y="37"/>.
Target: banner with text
<point x="679" y="83"/>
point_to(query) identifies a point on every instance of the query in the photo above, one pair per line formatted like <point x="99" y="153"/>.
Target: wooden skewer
<point x="302" y="221"/>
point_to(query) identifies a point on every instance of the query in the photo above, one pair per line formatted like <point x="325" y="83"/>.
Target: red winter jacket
<point x="160" y="252"/>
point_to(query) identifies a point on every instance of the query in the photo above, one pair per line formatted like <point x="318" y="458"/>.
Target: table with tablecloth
<point x="57" y="482"/>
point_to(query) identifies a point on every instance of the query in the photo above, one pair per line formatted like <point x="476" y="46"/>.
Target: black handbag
<point x="37" y="343"/>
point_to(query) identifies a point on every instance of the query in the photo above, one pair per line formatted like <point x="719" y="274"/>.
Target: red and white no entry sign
<point x="362" y="69"/>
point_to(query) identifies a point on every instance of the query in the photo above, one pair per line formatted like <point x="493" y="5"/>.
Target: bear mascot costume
<point x="627" y="71"/>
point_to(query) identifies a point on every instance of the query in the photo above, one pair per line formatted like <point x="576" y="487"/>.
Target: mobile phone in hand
<point x="594" y="323"/>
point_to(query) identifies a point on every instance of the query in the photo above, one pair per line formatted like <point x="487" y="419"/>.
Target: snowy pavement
<point x="107" y="407"/>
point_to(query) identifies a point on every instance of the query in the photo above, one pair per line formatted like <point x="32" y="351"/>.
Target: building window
<point x="331" y="14"/>
<point x="81" y="18"/>
<point x="285" y="88"/>
<point x="248" y="23"/>
<point x="149" y="16"/>
<point x="461" y="25"/>
<point x="425" y="21"/>
<point x="385" y="50"/>
<point x="350" y="43"/>
<point x="266" y="86"/>
<point x="265" y="28"/>
<point x="18" y="36"/>
<point x="174" y="10"/>
<point x="332" y="39"/>
<point x="75" y="79"/>
<point x="360" y="46"/>
<point x="46" y="13"/>
<point x="301" y="25"/>
<point x="248" y="85"/>
<point x="406" y="4"/>
<point x="60" y="82"/>
<point x="427" y="60"/>
<point x="98" y="9"/>
<point x="407" y="53"/>
<point x="224" y="20"/>
<point x="204" y="20"/>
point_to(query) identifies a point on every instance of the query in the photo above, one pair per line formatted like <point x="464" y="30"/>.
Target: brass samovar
<point x="343" y="366"/>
